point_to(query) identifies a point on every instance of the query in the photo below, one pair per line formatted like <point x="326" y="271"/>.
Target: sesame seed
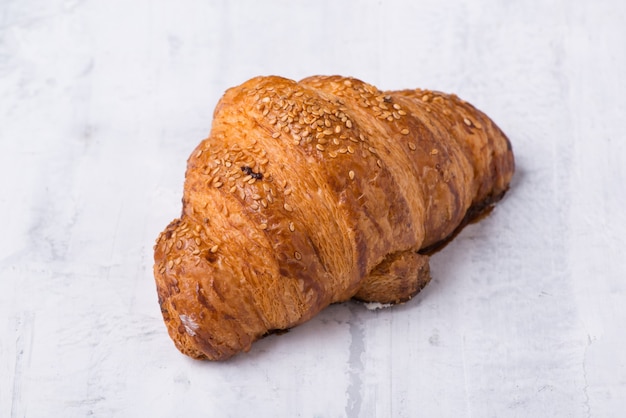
<point x="320" y="147"/>
<point x="372" y="150"/>
<point x="401" y="112"/>
<point x="348" y="124"/>
<point x="199" y="153"/>
<point x="434" y="151"/>
<point x="351" y="175"/>
<point x="467" y="121"/>
<point x="214" y="248"/>
<point x="264" y="203"/>
<point x="179" y="244"/>
<point x="350" y="149"/>
<point x="263" y="226"/>
<point x="404" y="132"/>
<point x="287" y="207"/>
<point x="396" y="106"/>
<point x="170" y="264"/>
<point x="288" y="192"/>
<point x="332" y="154"/>
<point x="256" y="197"/>
<point x="246" y="178"/>
<point x="198" y="241"/>
<point x="275" y="135"/>
<point x="337" y="129"/>
<point x="219" y="184"/>
<point x="412" y="146"/>
<point x="379" y="163"/>
<point x="297" y="255"/>
<point x="292" y="227"/>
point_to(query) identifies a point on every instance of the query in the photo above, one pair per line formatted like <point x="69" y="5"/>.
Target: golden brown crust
<point x="311" y="193"/>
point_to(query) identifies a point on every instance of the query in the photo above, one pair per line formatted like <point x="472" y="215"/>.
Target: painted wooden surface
<point x="102" y="102"/>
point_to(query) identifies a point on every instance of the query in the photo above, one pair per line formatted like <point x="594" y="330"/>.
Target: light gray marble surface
<point x="101" y="102"/>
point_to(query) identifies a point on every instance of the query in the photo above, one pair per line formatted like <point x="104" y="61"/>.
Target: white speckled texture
<point x="102" y="102"/>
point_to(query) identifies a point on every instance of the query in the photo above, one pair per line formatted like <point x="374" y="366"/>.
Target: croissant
<point x="315" y="192"/>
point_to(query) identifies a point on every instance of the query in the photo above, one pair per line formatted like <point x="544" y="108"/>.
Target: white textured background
<point x="101" y="102"/>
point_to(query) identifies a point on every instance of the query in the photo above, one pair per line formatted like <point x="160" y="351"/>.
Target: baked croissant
<point x="315" y="192"/>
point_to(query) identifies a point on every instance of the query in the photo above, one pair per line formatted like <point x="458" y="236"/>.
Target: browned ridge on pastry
<point x="314" y="192"/>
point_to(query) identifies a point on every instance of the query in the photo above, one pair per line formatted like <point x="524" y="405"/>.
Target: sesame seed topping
<point x="198" y="241"/>
<point x="337" y="129"/>
<point x="332" y="154"/>
<point x="348" y="124"/>
<point x="401" y="112"/>
<point x="275" y="135"/>
<point x="396" y="106"/>
<point x="434" y="151"/>
<point x="287" y="207"/>
<point x="199" y="153"/>
<point x="214" y="249"/>
<point x="467" y="121"/>
<point x="297" y="255"/>
<point x="179" y="244"/>
<point x="412" y="146"/>
<point x="292" y="227"/>
<point x="263" y="226"/>
<point x="320" y="147"/>
<point x="219" y="184"/>
<point x="170" y="264"/>
<point x="379" y="163"/>
<point x="351" y="175"/>
<point x="404" y="132"/>
<point x="350" y="149"/>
